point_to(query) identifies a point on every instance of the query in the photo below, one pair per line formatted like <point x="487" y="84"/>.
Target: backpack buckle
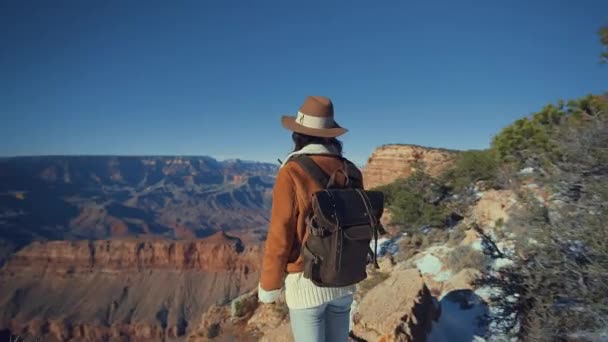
<point x="314" y="228"/>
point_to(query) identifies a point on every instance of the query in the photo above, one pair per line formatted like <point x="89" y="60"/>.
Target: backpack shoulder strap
<point x="353" y="172"/>
<point x="313" y="170"/>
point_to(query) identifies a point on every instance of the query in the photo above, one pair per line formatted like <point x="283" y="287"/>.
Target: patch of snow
<point x="526" y="171"/>
<point x="381" y="241"/>
<point x="487" y="292"/>
<point x="476" y="245"/>
<point x="501" y="262"/>
<point x="386" y="246"/>
<point x="443" y="276"/>
<point x="429" y="264"/>
<point x="425" y="229"/>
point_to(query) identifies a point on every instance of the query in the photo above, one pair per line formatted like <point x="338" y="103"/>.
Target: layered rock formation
<point x="122" y="289"/>
<point x="390" y="162"/>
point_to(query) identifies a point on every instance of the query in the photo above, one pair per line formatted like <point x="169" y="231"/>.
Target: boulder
<point x="272" y="322"/>
<point x="400" y="308"/>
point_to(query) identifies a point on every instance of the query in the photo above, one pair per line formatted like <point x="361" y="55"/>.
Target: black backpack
<point x="343" y="222"/>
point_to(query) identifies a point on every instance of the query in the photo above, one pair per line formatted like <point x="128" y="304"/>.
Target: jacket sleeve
<point x="281" y="232"/>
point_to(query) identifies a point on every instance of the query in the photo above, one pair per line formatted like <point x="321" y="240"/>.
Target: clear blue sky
<point x="214" y="77"/>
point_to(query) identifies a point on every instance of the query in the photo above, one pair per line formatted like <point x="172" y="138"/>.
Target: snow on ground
<point x="476" y="245"/>
<point x="501" y="262"/>
<point x="526" y="171"/>
<point x="386" y="245"/>
<point x="487" y="292"/>
<point x="430" y="264"/>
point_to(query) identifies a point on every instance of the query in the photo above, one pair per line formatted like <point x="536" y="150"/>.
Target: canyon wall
<point x="122" y="289"/>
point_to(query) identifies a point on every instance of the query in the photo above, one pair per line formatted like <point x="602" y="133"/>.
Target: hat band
<point x="315" y="121"/>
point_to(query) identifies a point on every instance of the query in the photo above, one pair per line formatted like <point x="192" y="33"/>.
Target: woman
<point x="316" y="313"/>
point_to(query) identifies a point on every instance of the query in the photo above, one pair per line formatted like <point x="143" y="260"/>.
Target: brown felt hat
<point x="315" y="118"/>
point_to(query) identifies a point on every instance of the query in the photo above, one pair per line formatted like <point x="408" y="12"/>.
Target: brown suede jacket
<point x="290" y="205"/>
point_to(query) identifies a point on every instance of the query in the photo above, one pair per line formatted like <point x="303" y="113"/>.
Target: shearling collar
<point x="312" y="149"/>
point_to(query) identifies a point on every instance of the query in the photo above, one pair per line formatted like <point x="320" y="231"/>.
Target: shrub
<point x="409" y="246"/>
<point x="410" y="209"/>
<point x="466" y="257"/>
<point x="456" y="235"/>
<point x="556" y="290"/>
<point x="535" y="140"/>
<point x="470" y="167"/>
<point x="416" y="201"/>
<point x="243" y="305"/>
<point x="213" y="330"/>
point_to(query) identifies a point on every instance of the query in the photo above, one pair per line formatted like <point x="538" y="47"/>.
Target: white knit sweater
<point x="302" y="293"/>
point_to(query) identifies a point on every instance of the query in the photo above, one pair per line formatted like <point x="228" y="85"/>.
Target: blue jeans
<point x="325" y="323"/>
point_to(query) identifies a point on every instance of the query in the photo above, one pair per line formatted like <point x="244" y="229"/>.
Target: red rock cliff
<point x="126" y="289"/>
<point x="217" y="253"/>
<point x="390" y="162"/>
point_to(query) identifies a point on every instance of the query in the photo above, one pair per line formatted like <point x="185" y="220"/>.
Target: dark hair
<point x="300" y="140"/>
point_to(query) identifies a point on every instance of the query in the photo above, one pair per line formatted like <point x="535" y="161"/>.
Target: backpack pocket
<point x="312" y="264"/>
<point x="355" y="252"/>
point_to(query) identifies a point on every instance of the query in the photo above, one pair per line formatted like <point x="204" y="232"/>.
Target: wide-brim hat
<point x="315" y="118"/>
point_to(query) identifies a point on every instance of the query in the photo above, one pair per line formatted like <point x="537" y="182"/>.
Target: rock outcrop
<point x="122" y="289"/>
<point x="390" y="162"/>
<point x="493" y="207"/>
<point x="401" y="308"/>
